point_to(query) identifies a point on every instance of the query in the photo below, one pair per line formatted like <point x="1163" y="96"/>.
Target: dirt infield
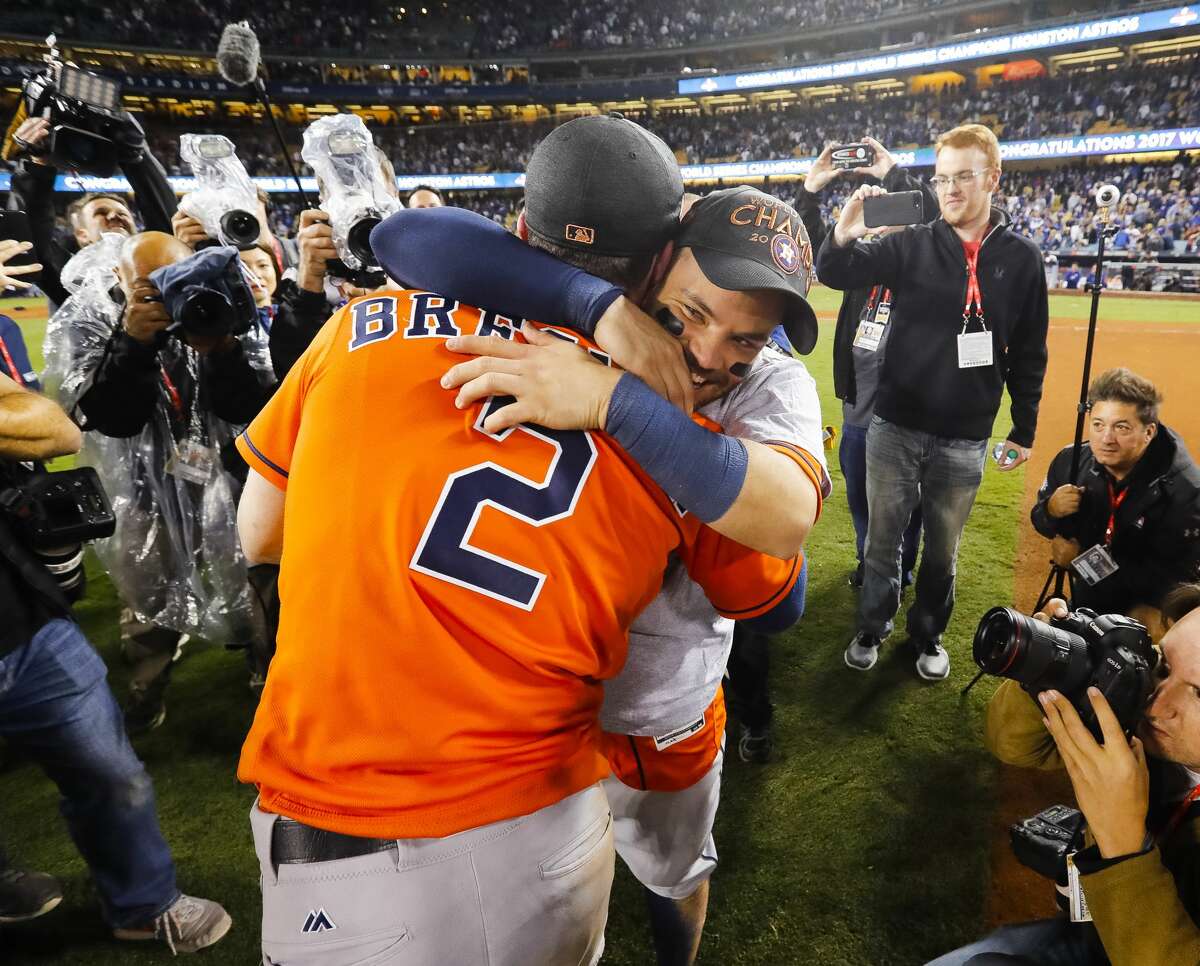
<point x="1168" y="353"/>
<point x="18" y="312"/>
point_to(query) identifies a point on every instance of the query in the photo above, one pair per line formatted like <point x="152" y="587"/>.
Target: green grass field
<point x="864" y="842"/>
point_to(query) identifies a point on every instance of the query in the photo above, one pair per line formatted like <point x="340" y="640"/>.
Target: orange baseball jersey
<point x="671" y="762"/>
<point x="451" y="600"/>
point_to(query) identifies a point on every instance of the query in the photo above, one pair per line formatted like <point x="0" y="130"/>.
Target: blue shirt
<point x="14" y="356"/>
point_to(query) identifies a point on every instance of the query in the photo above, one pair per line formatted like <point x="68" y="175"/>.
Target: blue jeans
<point x="852" y="454"/>
<point x="907" y="468"/>
<point x="55" y="704"/>
<point x="1046" y="942"/>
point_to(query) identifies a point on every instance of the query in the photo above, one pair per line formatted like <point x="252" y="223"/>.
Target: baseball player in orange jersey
<point x="426" y="749"/>
<point x="664" y="714"/>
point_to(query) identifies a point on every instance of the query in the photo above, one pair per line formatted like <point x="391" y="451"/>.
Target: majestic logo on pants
<point x="318" y="921"/>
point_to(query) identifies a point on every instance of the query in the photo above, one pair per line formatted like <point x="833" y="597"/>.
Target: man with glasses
<point x="970" y="313"/>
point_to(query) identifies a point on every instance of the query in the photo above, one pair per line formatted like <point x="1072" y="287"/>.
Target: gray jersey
<point x="679" y="645"/>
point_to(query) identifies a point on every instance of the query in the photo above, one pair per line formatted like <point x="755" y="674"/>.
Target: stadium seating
<point x="469" y="28"/>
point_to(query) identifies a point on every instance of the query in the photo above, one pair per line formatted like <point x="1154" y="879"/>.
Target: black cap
<point x="604" y="184"/>
<point x="743" y="239"/>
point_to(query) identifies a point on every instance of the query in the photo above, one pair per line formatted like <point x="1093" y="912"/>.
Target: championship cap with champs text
<point x="743" y="240"/>
<point x="604" y="184"/>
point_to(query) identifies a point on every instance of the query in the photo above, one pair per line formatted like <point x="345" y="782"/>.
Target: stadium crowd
<point x="1139" y="97"/>
<point x="464" y="28"/>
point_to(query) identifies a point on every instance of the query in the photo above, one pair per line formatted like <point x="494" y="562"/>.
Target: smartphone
<point x="897" y="208"/>
<point x="15" y="225"/>
<point x="847" y="156"/>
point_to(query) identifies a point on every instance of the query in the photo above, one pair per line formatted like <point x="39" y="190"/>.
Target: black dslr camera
<point x="207" y="294"/>
<point x="89" y="130"/>
<point x="1071" y="654"/>
<point x="1043" y="842"/>
<point x="54" y="514"/>
<point x="1083" y="649"/>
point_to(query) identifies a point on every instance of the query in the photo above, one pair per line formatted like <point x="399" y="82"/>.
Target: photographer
<point x="56" y="707"/>
<point x="318" y="288"/>
<point x="90" y="216"/>
<point x="856" y="361"/>
<point x="1140" y="870"/>
<point x="304" y="301"/>
<point x="164" y="402"/>
<point x="969" y="314"/>
<point x="191" y="232"/>
<point x="1135" y="512"/>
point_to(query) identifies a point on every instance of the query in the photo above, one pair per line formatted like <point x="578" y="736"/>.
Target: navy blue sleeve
<point x="473" y="260"/>
<point x="784" y="614"/>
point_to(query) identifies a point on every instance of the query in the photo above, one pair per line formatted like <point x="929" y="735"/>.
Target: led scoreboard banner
<point x="1044" y="38"/>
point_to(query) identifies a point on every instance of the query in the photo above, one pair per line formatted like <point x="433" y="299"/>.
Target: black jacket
<point x="33" y="187"/>
<point x="29" y="594"/>
<point x="850" y="311"/>
<point x="921" y="386"/>
<point x="300" y="317"/>
<point x="121" y="394"/>
<point x="1156" y="537"/>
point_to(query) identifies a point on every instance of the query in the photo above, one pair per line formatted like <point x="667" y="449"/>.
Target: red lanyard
<point x="12" y="366"/>
<point x="879" y="297"/>
<point x="1177" y="816"/>
<point x="176" y="399"/>
<point x="974" y="296"/>
<point x="1114" y="504"/>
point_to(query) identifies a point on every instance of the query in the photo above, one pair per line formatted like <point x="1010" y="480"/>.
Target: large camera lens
<point x="239" y="228"/>
<point x="205" y="313"/>
<point x="358" y="239"/>
<point x="1010" y="645"/>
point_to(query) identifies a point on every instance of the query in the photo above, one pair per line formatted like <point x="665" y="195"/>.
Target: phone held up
<point x="895" y="209"/>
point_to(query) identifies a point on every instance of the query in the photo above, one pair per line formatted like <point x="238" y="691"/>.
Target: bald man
<point x="170" y="404"/>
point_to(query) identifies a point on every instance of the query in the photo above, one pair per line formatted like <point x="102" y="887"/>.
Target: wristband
<point x="701" y="470"/>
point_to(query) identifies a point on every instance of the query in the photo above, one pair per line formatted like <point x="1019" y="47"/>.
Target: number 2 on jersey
<point x="445" y="551"/>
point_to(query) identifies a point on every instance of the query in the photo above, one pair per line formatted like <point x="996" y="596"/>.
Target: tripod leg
<point x="1056" y="577"/>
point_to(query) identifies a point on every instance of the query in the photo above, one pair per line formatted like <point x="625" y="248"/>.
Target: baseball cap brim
<point x="737" y="274"/>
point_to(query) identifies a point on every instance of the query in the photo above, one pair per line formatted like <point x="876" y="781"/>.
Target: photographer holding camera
<point x="1129" y="524"/>
<point x="165" y="381"/>
<point x="856" y="361"/>
<point x="56" y="707"/>
<point x="358" y="187"/>
<point x="93" y="214"/>
<point x="1134" y="889"/>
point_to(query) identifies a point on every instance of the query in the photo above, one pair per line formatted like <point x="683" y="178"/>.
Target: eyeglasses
<point x="940" y="181"/>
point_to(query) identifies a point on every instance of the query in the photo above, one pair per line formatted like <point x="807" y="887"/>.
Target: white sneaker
<point x="933" y="663"/>
<point x="863" y="652"/>
<point x="188" y="926"/>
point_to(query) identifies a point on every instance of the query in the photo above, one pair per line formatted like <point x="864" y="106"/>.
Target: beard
<point x="708" y="385"/>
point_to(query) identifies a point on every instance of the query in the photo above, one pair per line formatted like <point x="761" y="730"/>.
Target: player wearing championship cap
<point x="740" y="266"/>
<point x="426" y="747"/>
<point x="772" y="502"/>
